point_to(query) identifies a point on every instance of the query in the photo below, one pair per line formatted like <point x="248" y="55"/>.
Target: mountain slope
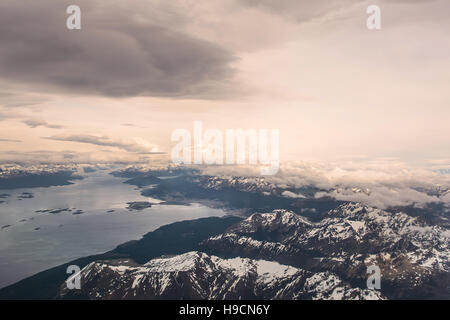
<point x="196" y="275"/>
<point x="412" y="256"/>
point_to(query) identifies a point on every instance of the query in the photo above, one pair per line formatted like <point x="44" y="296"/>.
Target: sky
<point x="137" y="70"/>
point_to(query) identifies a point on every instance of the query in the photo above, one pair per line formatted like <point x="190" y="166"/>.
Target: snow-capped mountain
<point x="255" y="185"/>
<point x="415" y="196"/>
<point x="246" y="184"/>
<point x="196" y="275"/>
<point x="281" y="255"/>
<point x="14" y="176"/>
<point x="410" y="254"/>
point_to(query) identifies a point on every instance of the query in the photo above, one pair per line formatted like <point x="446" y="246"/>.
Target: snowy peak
<point x="281" y="221"/>
<point x="196" y="275"/>
<point x="350" y="238"/>
<point x="246" y="184"/>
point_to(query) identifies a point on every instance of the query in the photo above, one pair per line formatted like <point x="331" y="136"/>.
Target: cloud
<point x="382" y="183"/>
<point x="132" y="125"/>
<point x="300" y="11"/>
<point x="289" y="194"/>
<point x="9" y="140"/>
<point x="20" y="100"/>
<point x="41" y="123"/>
<point x="305" y="10"/>
<point x="6" y="114"/>
<point x="135" y="145"/>
<point x="125" y="49"/>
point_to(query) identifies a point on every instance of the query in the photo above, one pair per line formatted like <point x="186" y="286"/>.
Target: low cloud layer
<point x="380" y="184"/>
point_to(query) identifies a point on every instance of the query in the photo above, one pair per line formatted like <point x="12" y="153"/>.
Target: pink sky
<point x="140" y="69"/>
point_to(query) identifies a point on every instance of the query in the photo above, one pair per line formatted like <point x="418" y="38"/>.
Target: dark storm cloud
<point x="130" y="146"/>
<point x="119" y="51"/>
